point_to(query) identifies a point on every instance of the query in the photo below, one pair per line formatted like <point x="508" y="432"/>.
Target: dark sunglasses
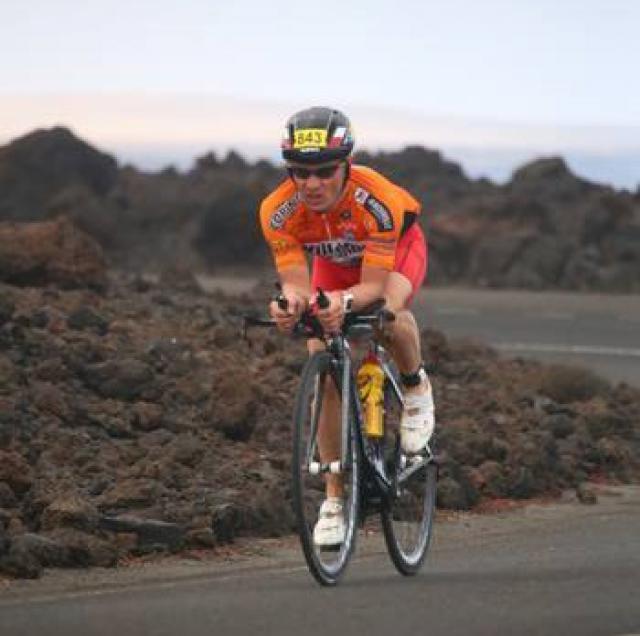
<point x="326" y="172"/>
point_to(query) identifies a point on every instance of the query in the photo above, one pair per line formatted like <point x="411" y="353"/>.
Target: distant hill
<point x="545" y="228"/>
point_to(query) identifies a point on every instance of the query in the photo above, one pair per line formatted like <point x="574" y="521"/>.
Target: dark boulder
<point x="124" y="379"/>
<point x="57" y="252"/>
<point x="40" y="165"/>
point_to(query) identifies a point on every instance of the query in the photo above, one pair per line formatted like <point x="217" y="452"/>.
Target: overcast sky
<point x="541" y="65"/>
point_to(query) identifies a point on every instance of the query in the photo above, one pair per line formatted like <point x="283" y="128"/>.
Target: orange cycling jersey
<point x="363" y="227"/>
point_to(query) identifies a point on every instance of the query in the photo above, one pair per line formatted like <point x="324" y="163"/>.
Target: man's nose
<point x="313" y="181"/>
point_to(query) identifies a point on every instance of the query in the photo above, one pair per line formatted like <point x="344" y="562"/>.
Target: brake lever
<point x="280" y="298"/>
<point x="322" y="299"/>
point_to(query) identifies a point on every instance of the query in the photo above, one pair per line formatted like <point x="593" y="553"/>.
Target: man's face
<point x="320" y="185"/>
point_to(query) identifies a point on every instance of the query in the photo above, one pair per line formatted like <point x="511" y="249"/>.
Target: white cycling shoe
<point x="330" y="528"/>
<point x="418" y="421"/>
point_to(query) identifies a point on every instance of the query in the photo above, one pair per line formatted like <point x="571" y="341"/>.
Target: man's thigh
<point x="410" y="267"/>
<point x="398" y="291"/>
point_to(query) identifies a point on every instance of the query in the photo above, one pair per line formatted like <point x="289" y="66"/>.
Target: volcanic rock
<point x="124" y="379"/>
<point x="15" y="471"/>
<point x="147" y="436"/>
<point x="37" y="167"/>
<point x="50" y="252"/>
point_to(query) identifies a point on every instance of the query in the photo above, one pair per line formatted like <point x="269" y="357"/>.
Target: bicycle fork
<point x="337" y="466"/>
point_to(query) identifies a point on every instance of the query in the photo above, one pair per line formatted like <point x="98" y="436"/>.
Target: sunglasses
<point x="326" y="172"/>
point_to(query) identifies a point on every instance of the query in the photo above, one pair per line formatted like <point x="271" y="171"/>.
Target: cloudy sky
<point x="490" y="83"/>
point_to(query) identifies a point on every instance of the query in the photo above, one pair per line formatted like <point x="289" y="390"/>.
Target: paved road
<point x="563" y="569"/>
<point x="593" y="330"/>
<point x="601" y="332"/>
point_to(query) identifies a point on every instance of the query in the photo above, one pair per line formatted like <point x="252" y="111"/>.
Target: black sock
<point x="413" y="379"/>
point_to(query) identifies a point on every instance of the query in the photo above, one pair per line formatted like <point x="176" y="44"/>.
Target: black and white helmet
<point x="317" y="135"/>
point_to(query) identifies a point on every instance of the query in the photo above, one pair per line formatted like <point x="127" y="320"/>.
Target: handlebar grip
<point x="283" y="303"/>
<point x="323" y="299"/>
<point x="280" y="298"/>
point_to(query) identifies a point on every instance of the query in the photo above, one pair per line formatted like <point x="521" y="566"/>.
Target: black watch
<point x="347" y="302"/>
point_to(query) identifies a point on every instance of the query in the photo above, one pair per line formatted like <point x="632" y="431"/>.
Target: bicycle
<point x="376" y="475"/>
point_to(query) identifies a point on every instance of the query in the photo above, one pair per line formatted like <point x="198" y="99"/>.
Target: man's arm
<point x="295" y="281"/>
<point x="290" y="263"/>
<point x="370" y="288"/>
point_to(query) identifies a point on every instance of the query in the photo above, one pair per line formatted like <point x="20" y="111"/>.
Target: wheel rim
<point x="325" y="564"/>
<point x="409" y="513"/>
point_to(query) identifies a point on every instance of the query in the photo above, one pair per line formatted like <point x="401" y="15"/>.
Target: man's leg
<point x="404" y="345"/>
<point x="329" y="429"/>
<point x="329" y="276"/>
<point x="404" y="341"/>
<point x="330" y="527"/>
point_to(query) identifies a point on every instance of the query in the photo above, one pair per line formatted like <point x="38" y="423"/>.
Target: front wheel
<point x="320" y="388"/>
<point x="407" y="516"/>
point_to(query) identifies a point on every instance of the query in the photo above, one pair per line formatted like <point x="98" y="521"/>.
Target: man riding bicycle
<point x="362" y="232"/>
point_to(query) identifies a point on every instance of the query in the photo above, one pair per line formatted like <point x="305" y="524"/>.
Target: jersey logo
<point x="360" y="195"/>
<point x="345" y="251"/>
<point x="283" y="212"/>
<point x="380" y="213"/>
<point x="280" y="246"/>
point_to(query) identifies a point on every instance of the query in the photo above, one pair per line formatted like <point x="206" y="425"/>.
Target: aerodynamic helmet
<point x="317" y="135"/>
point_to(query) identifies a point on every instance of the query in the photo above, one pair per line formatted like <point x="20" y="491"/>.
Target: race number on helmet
<point x="317" y="135"/>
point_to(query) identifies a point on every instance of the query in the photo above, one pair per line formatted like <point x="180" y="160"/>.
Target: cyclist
<point x="365" y="243"/>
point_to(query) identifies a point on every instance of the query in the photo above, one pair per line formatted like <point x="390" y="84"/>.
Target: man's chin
<point x="317" y="206"/>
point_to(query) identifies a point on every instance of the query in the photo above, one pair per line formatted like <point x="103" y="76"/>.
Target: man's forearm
<point x="295" y="281"/>
<point x="365" y="294"/>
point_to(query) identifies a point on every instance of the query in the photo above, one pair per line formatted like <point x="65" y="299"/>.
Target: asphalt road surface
<point x="565" y="569"/>
<point x="601" y="332"/>
<point x="597" y="331"/>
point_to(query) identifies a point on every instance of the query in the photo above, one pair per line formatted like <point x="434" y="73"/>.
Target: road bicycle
<point x="377" y="477"/>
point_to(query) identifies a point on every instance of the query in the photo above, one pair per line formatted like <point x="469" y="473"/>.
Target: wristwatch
<point x="347" y="302"/>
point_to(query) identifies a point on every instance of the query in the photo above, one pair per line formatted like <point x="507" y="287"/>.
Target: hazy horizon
<point x="155" y="131"/>
<point x="617" y="171"/>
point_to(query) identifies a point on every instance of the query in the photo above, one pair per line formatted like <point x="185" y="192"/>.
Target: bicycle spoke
<point x="407" y="518"/>
<point x="310" y="470"/>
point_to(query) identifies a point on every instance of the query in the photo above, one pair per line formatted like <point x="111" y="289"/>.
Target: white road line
<point x="537" y="347"/>
<point x="456" y="311"/>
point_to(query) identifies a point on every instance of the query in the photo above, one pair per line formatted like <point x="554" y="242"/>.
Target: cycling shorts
<point x="410" y="261"/>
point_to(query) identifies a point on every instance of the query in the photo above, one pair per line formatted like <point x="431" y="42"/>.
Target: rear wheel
<point x="319" y="378"/>
<point x="407" y="516"/>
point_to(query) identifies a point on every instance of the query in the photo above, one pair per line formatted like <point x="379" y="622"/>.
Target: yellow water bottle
<point x="371" y="388"/>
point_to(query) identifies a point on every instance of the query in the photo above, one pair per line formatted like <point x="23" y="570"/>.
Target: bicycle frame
<point x="370" y="450"/>
<point x="338" y="345"/>
<point x="373" y="469"/>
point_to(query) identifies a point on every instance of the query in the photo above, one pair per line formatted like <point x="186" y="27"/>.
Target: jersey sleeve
<point x="285" y="248"/>
<point x="383" y="219"/>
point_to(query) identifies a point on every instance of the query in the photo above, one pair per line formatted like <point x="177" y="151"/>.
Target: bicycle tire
<point x="308" y="489"/>
<point x="407" y="518"/>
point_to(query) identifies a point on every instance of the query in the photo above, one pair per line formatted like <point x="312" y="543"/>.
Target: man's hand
<point x="287" y="318"/>
<point x="331" y="317"/>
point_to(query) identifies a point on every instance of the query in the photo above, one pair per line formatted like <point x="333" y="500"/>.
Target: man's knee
<point x="397" y="292"/>
<point x="314" y="345"/>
